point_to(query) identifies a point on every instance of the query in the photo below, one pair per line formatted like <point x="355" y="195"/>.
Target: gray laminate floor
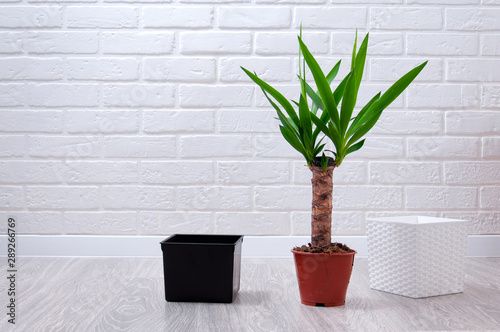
<point x="126" y="294"/>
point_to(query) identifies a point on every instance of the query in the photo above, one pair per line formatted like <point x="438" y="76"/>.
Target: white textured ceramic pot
<point x="417" y="256"/>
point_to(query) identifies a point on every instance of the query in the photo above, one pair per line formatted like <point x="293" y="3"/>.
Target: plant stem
<point x="321" y="218"/>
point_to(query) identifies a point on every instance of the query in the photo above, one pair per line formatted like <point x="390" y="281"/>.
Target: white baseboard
<point x="149" y="246"/>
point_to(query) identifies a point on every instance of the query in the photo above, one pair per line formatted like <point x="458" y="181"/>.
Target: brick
<point x="442" y="44"/>
<point x="378" y="43"/>
<point x="380" y="148"/>
<point x="443" y="147"/>
<point x="459" y="198"/>
<point x="74" y="42"/>
<point x="214" y="198"/>
<point x="408" y="122"/>
<point x="188" y="121"/>
<point x="112" y="223"/>
<point x="477" y="122"/>
<point x="12" y="146"/>
<point x="472" y="19"/>
<point x="215" y="95"/>
<point x="31" y="172"/>
<point x="177" y="17"/>
<point x="490" y="44"/>
<point x="478" y="222"/>
<point x="408" y="18"/>
<point x="37" y="222"/>
<point x="134" y="197"/>
<point x="31" y="121"/>
<point x="137" y="42"/>
<point x="350" y="172"/>
<point x="274" y="146"/>
<point x="140" y="1"/>
<point x="283" y="198"/>
<point x="177" y="172"/>
<point x="102" y="69"/>
<point x="215" y="42"/>
<point x="62" y="94"/>
<point x="11" y="198"/>
<point x="64" y="146"/>
<point x="211" y="146"/>
<point x="252" y="223"/>
<point x="254" y="17"/>
<point x="405" y="172"/>
<point x="364" y="1"/>
<point x="180" y="69"/>
<point x="367" y="197"/>
<point x="343" y="223"/>
<point x="11" y="42"/>
<point x="437" y="96"/>
<point x="331" y="17"/>
<point x="213" y="1"/>
<point x="12" y="95"/>
<point x="285" y="43"/>
<point x="444" y="2"/>
<point x="102" y="172"/>
<point x="62" y="198"/>
<point x="102" y="17"/>
<point x="490" y="96"/>
<point x="234" y="121"/>
<point x="62" y="1"/>
<point x="31" y="17"/>
<point x="108" y="122"/>
<point x="245" y="172"/>
<point x="268" y="69"/>
<point x="393" y="69"/>
<point x="139" y="146"/>
<point x="491" y="147"/>
<point x="477" y="172"/>
<point x="490" y="197"/>
<point x="26" y="68"/>
<point x="287" y="1"/>
<point x="138" y="95"/>
<point x="161" y="223"/>
<point x="471" y="70"/>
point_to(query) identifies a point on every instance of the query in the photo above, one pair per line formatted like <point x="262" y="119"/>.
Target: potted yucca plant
<point x="324" y="268"/>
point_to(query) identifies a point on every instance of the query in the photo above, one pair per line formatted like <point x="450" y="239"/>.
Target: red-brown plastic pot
<point x="323" y="278"/>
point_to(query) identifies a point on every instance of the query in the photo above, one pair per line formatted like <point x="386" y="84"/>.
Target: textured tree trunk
<point x="321" y="219"/>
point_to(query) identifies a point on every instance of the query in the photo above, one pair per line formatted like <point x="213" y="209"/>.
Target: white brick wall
<point x="133" y="117"/>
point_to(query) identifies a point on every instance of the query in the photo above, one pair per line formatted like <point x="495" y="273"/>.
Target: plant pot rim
<point x="325" y="254"/>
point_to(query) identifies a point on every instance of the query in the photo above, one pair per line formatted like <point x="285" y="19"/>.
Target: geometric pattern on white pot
<point x="417" y="256"/>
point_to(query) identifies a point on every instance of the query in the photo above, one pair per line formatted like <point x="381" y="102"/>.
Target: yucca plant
<point x="330" y="112"/>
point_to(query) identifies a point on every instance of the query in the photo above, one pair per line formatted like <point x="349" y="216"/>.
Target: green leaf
<point x="293" y="140"/>
<point x="320" y="124"/>
<point x="361" y="115"/>
<point x="284" y="120"/>
<point x="355" y="147"/>
<point x="330" y="77"/>
<point x="397" y="88"/>
<point x="275" y="94"/>
<point x="322" y="84"/>
<point x="348" y="103"/>
<point x="316" y="99"/>
<point x="359" y="63"/>
<point x="353" y="57"/>
<point x="365" y="127"/>
<point x="305" y="117"/>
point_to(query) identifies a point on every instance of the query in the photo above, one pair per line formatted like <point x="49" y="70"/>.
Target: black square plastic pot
<point x="201" y="268"/>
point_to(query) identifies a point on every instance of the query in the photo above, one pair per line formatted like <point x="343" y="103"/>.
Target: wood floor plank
<point x="127" y="294"/>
